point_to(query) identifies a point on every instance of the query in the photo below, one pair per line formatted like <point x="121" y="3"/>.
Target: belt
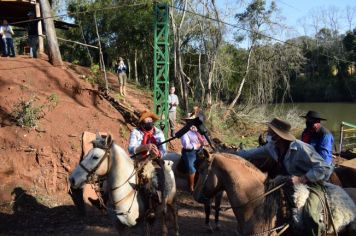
<point x="187" y="150"/>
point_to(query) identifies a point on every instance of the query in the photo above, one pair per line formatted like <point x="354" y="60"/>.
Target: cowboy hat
<point x="190" y="116"/>
<point x="313" y="115"/>
<point x="146" y="113"/>
<point x="281" y="128"/>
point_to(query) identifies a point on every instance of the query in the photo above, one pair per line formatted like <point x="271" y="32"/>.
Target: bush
<point x="26" y="114"/>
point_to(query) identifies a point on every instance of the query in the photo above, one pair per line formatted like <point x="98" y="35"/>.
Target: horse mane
<point x="118" y="150"/>
<point x="272" y="202"/>
<point x="244" y="163"/>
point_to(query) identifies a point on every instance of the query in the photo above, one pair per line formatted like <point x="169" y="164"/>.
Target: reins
<point x="244" y="204"/>
<point x="92" y="181"/>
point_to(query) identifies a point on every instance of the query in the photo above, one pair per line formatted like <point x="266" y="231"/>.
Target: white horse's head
<point x="96" y="162"/>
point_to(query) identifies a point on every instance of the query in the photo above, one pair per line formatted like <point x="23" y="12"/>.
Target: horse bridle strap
<point x="106" y="155"/>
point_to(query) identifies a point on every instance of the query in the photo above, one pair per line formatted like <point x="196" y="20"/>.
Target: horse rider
<point x="143" y="143"/>
<point x="302" y="163"/>
<point x="146" y="136"/>
<point x="192" y="142"/>
<point x="318" y="136"/>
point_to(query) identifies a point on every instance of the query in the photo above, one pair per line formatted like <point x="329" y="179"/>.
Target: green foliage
<point x="27" y="114"/>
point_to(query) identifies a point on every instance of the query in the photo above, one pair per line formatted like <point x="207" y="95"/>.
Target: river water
<point x="335" y="113"/>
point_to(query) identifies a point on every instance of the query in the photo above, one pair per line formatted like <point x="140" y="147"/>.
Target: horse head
<point x="207" y="185"/>
<point x="95" y="163"/>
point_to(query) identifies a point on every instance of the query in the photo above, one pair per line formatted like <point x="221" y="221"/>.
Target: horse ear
<point x="108" y="140"/>
<point x="98" y="136"/>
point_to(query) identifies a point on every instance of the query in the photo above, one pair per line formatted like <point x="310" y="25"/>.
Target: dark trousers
<point x="9" y="49"/>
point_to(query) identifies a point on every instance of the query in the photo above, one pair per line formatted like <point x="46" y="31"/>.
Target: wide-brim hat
<point x="146" y="113"/>
<point x="190" y="116"/>
<point x="281" y="128"/>
<point x="313" y="115"/>
<point x="120" y="59"/>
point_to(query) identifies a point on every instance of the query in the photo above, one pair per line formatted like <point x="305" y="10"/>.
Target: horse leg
<point x="146" y="228"/>
<point x="207" y="209"/>
<point x="164" y="224"/>
<point x="218" y="199"/>
<point x="172" y="208"/>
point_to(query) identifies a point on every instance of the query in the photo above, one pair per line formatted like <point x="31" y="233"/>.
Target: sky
<point x="297" y="14"/>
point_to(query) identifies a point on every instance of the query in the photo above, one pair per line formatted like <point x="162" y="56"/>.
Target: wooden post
<point x="53" y="48"/>
<point x="101" y="59"/>
<point x="39" y="27"/>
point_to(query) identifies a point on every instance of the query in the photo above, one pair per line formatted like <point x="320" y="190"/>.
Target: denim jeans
<point x="33" y="42"/>
<point x="9" y="49"/>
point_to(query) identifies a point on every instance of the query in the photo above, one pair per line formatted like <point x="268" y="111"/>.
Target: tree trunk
<point x="201" y="82"/>
<point x="241" y="85"/>
<point x="40" y="32"/>
<point x="129" y="69"/>
<point x="54" y="53"/>
<point x="135" y="63"/>
<point x="101" y="55"/>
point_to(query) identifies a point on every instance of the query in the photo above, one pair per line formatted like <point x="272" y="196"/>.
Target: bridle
<point x="92" y="180"/>
<point x="91" y="173"/>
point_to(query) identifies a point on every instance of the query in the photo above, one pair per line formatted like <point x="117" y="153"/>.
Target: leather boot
<point x="191" y="182"/>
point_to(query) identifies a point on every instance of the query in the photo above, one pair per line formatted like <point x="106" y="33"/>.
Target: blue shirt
<point x="323" y="141"/>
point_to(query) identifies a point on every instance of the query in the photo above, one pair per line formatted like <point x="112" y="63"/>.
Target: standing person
<point x="146" y="136"/>
<point x="318" y="136"/>
<point x="32" y="29"/>
<point x="8" y="43"/>
<point x="173" y="102"/>
<point x="302" y="163"/>
<point x="121" y="70"/>
<point x="192" y="141"/>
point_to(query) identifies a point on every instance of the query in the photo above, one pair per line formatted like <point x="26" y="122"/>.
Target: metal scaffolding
<point x="161" y="64"/>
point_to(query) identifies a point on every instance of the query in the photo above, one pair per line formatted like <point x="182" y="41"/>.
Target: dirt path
<point x="32" y="215"/>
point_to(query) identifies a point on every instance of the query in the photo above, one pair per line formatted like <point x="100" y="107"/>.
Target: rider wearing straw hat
<point x="144" y="139"/>
<point x="301" y="162"/>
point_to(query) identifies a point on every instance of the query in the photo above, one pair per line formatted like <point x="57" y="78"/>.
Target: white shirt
<point x="173" y="98"/>
<point x="6" y="31"/>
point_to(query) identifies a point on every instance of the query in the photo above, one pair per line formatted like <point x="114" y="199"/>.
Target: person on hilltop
<point x="192" y="142"/>
<point x="173" y="102"/>
<point x="146" y="136"/>
<point x="8" y="43"/>
<point x="32" y="29"/>
<point x="301" y="163"/>
<point x="121" y="70"/>
<point x="318" y="136"/>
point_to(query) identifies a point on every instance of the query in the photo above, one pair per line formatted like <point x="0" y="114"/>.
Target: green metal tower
<point x="161" y="64"/>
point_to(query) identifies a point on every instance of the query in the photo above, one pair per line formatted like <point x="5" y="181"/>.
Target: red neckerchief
<point x="307" y="134"/>
<point x="148" y="138"/>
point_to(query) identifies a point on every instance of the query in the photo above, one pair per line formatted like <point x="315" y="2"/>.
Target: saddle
<point x="337" y="210"/>
<point x="151" y="181"/>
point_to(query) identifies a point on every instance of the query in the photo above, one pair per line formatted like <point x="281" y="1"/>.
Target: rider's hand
<point x="152" y="148"/>
<point x="298" y="179"/>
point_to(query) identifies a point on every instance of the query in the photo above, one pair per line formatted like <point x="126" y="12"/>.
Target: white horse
<point x="127" y="204"/>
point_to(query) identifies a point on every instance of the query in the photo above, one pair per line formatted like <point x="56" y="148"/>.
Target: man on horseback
<point x="318" y="136"/>
<point x="143" y="145"/>
<point x="302" y="163"/>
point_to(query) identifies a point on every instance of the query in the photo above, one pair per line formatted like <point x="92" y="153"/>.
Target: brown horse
<point x="244" y="184"/>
